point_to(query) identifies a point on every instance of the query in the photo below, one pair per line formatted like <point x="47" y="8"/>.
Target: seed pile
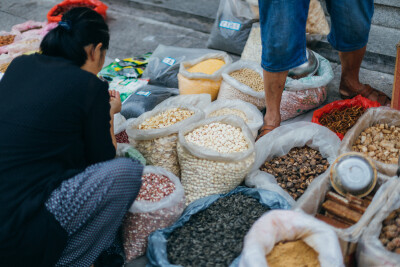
<point x="229" y="111"/>
<point x="295" y="171"/>
<point x="221" y="137"/>
<point x="208" y="66"/>
<point x="3" y="67"/>
<point x="250" y="78"/>
<point x="340" y="121"/>
<point x="214" y="236"/>
<point x="390" y="234"/>
<point x="166" y="118"/>
<point x="293" y="254"/>
<point x="155" y="187"/>
<point x="381" y="142"/>
<point x="6" y="39"/>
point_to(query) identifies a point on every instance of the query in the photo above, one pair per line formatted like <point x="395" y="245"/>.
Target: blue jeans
<point x="283" y="29"/>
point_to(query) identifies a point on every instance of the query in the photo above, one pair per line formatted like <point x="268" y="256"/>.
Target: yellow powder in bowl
<point x="293" y="254"/>
<point x="208" y="66"/>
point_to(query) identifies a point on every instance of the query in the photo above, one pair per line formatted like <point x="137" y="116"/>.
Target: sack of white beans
<point x="247" y="111"/>
<point x="160" y="202"/>
<point x="215" y="155"/>
<point x="243" y="80"/>
<point x="155" y="133"/>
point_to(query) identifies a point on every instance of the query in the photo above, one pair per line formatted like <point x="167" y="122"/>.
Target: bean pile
<point x="390" y="234"/>
<point x="122" y="137"/>
<point x="295" y="171"/>
<point x="221" y="137"/>
<point x="63" y="9"/>
<point x="229" y="111"/>
<point x="214" y="236"/>
<point x="250" y="78"/>
<point x="166" y="118"/>
<point x="155" y="187"/>
<point x="340" y="121"/>
<point x="6" y="39"/>
<point x="381" y="142"/>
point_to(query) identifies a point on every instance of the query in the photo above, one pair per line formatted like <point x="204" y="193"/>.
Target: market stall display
<point x="221" y="222"/>
<point x="159" y="204"/>
<point x="55" y="14"/>
<point x="203" y="75"/>
<point x="215" y="155"/>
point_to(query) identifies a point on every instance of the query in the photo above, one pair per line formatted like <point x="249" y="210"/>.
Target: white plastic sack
<point x="371" y="117"/>
<point x="200" y="101"/>
<point x="281" y="225"/>
<point x="370" y="251"/>
<point x="206" y="171"/>
<point x="147" y="216"/>
<point x="280" y="141"/>
<point x="233" y="89"/>
<point x="253" y="115"/>
<point x="128" y="151"/>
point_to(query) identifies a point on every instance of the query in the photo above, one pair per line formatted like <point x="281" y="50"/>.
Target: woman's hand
<point x="115" y="102"/>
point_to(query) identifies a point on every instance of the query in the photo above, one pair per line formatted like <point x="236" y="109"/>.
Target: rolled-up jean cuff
<point x="291" y="66"/>
<point x="347" y="49"/>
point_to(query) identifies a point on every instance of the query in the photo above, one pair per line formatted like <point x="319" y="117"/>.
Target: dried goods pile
<point x="381" y="142"/>
<point x="166" y="118"/>
<point x="229" y="111"/>
<point x="208" y="66"/>
<point x="223" y="138"/>
<point x="295" y="171"/>
<point x="343" y="212"/>
<point x="390" y="234"/>
<point x="214" y="236"/>
<point x="3" y="67"/>
<point x="293" y="254"/>
<point x="250" y="78"/>
<point x="6" y="39"/>
<point x="122" y="137"/>
<point x="340" y="121"/>
<point x="155" y="187"/>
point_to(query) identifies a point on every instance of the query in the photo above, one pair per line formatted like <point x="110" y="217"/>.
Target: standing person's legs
<point x="283" y="35"/>
<point x="91" y="206"/>
<point x="350" y="26"/>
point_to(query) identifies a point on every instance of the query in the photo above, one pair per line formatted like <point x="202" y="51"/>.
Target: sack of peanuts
<point x="281" y="236"/>
<point x="377" y="135"/>
<point x="200" y="101"/>
<point x="155" y="133"/>
<point x="347" y="215"/>
<point x="159" y="204"/>
<point x="215" y="155"/>
<point x="243" y="80"/>
<point x="203" y="75"/>
<point x="380" y="243"/>
<point x="128" y="151"/>
<point x="247" y="111"/>
<point x="293" y="157"/>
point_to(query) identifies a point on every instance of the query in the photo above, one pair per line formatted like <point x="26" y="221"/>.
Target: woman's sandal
<point x="266" y="129"/>
<point x="381" y="98"/>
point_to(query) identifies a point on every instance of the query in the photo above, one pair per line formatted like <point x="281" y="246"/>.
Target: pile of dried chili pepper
<point x="341" y="120"/>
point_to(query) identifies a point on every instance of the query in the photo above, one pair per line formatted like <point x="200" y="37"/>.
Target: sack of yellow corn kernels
<point x="155" y="133"/>
<point x="215" y="155"/>
<point x="203" y="75"/>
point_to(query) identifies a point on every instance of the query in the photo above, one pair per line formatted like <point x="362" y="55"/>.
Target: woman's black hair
<point x="78" y="28"/>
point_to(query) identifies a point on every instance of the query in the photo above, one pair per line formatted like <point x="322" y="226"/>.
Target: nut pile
<point x="221" y="137"/>
<point x="381" y="142"/>
<point x="250" y="78"/>
<point x="166" y="118"/>
<point x="6" y="39"/>
<point x="214" y="236"/>
<point x="155" y="187"/>
<point x="295" y="171"/>
<point x="390" y="234"/>
<point x="229" y="111"/>
<point x="340" y="121"/>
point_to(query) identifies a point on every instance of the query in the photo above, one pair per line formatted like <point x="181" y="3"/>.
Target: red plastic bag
<point x="55" y="14"/>
<point x="342" y="104"/>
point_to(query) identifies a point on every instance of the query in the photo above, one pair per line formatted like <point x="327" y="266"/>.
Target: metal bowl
<point x="306" y="69"/>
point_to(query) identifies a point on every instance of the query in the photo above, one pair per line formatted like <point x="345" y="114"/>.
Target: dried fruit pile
<point x="381" y="142"/>
<point x="295" y="171"/>
<point x="340" y="121"/>
<point x="390" y="234"/>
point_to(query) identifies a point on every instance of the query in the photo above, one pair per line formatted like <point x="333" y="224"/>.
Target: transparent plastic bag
<point x="371" y="117"/>
<point x="205" y="171"/>
<point x="254" y="117"/>
<point x="145" y="217"/>
<point x="284" y="225"/>
<point x="370" y="251"/>
<point x="128" y="151"/>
